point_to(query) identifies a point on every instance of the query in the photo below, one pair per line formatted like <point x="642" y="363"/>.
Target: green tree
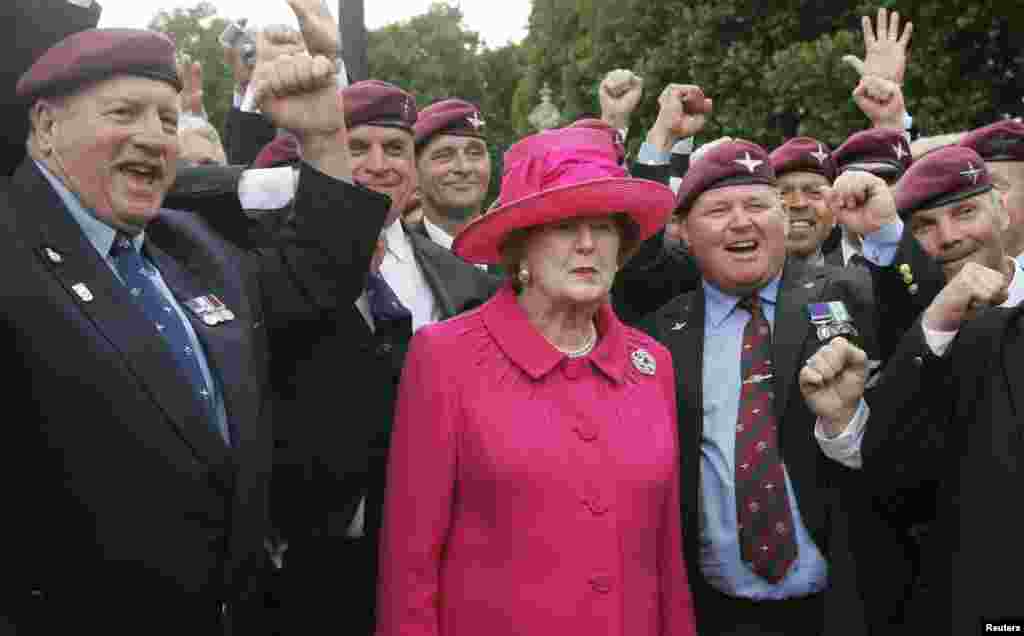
<point x="773" y="68"/>
<point x="196" y="31"/>
<point x="433" y="56"/>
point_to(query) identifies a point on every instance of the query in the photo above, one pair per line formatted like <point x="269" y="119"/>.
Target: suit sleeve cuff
<point x="267" y="188"/>
<point x="938" y="341"/>
<point x="845" y="447"/>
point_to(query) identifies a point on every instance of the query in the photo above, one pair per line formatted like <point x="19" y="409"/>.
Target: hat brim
<point x="647" y="203"/>
<point x="881" y="168"/>
<point x="945" y="199"/>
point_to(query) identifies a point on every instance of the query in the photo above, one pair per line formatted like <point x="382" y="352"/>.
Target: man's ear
<point x="43" y="120"/>
<point x="682" y="230"/>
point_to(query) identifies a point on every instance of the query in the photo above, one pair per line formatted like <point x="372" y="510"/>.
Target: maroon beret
<point x="602" y="125"/>
<point x="97" y="54"/>
<point x="736" y="162"/>
<point x="803" y="154"/>
<point x="376" y="103"/>
<point x="449" y="117"/>
<point x="881" y="151"/>
<point x="1001" y="141"/>
<point x="941" y="177"/>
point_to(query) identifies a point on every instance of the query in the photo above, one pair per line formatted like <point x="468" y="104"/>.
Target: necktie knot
<point x="751" y="303"/>
<point x="122" y="242"/>
<point x="384" y="303"/>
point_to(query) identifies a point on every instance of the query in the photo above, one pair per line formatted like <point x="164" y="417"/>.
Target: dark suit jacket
<point x="656" y="273"/>
<point x="956" y="421"/>
<point x="128" y="505"/>
<point x="245" y="134"/>
<point x="825" y="507"/>
<point x="30" y="27"/>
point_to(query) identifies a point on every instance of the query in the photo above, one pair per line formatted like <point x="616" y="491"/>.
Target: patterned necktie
<point x="384" y="303"/>
<point x="767" y="541"/>
<point x="138" y="276"/>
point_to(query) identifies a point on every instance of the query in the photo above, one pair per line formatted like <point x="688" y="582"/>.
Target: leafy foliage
<point x="196" y="31"/>
<point x="773" y="68"/>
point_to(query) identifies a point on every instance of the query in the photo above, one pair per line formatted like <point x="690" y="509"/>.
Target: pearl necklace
<point x="587" y="347"/>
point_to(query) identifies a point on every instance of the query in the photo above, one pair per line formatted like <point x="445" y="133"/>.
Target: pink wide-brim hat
<point x="563" y="174"/>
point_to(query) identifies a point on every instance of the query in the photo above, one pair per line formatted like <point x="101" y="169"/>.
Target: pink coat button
<point x="601" y="584"/>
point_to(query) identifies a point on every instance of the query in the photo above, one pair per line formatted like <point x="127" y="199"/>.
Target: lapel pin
<point x="53" y="255"/>
<point x="210" y="309"/>
<point x="678" y="326"/>
<point x="644" y="362"/>
<point x="913" y="289"/>
<point x="83" y="292"/>
<point x="808" y="285"/>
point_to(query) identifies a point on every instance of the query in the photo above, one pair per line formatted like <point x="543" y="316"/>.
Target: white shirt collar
<point x="849" y="247"/>
<point x="398" y="242"/>
<point x="438" y="235"/>
<point x="1015" y="293"/>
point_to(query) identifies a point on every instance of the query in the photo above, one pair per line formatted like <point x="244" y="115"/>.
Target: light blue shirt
<point x="880" y="247"/>
<point x="720" y="560"/>
<point x="102" y="236"/>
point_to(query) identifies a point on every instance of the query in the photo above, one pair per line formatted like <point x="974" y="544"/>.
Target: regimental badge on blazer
<point x="831" y="319"/>
<point x="210" y="309"/>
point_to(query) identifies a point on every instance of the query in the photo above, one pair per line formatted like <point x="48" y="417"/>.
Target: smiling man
<point x="1001" y="145"/>
<point x="805" y="168"/>
<point x="770" y="544"/>
<point x="947" y="204"/>
<point x="143" y="341"/>
<point x="453" y="165"/>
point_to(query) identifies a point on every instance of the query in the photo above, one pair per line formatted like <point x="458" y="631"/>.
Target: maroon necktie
<point x="767" y="541"/>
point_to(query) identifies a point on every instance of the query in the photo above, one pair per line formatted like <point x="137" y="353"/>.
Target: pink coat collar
<point x="528" y="349"/>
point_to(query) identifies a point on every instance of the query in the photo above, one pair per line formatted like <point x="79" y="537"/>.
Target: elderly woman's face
<point x="574" y="260"/>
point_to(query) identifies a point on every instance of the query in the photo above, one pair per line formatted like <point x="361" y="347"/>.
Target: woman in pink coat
<point x="533" y="480"/>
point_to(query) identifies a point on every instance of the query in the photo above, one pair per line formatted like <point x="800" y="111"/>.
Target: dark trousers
<point x="721" y="615"/>
<point x="327" y="585"/>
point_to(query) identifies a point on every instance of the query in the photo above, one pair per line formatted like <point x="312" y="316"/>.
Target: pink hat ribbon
<point x="556" y="168"/>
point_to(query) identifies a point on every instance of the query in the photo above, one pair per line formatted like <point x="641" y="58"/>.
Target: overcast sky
<point x="497" y="21"/>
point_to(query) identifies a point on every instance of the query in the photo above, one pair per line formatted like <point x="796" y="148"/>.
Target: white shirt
<point x="850" y="248"/>
<point x="405" y="277"/>
<point x="438" y="235"/>
<point x="1015" y="292"/>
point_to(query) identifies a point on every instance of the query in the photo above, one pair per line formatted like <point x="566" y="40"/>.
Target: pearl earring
<point x="524" y="276"/>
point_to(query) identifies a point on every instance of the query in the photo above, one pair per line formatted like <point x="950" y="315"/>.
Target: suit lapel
<point x="688" y="345"/>
<point x="681" y="330"/>
<point x="835" y="257"/>
<point x="1013" y="371"/>
<point x="798" y="287"/>
<point x="114" y="314"/>
<point x="437" y="270"/>
<point x="227" y="345"/>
